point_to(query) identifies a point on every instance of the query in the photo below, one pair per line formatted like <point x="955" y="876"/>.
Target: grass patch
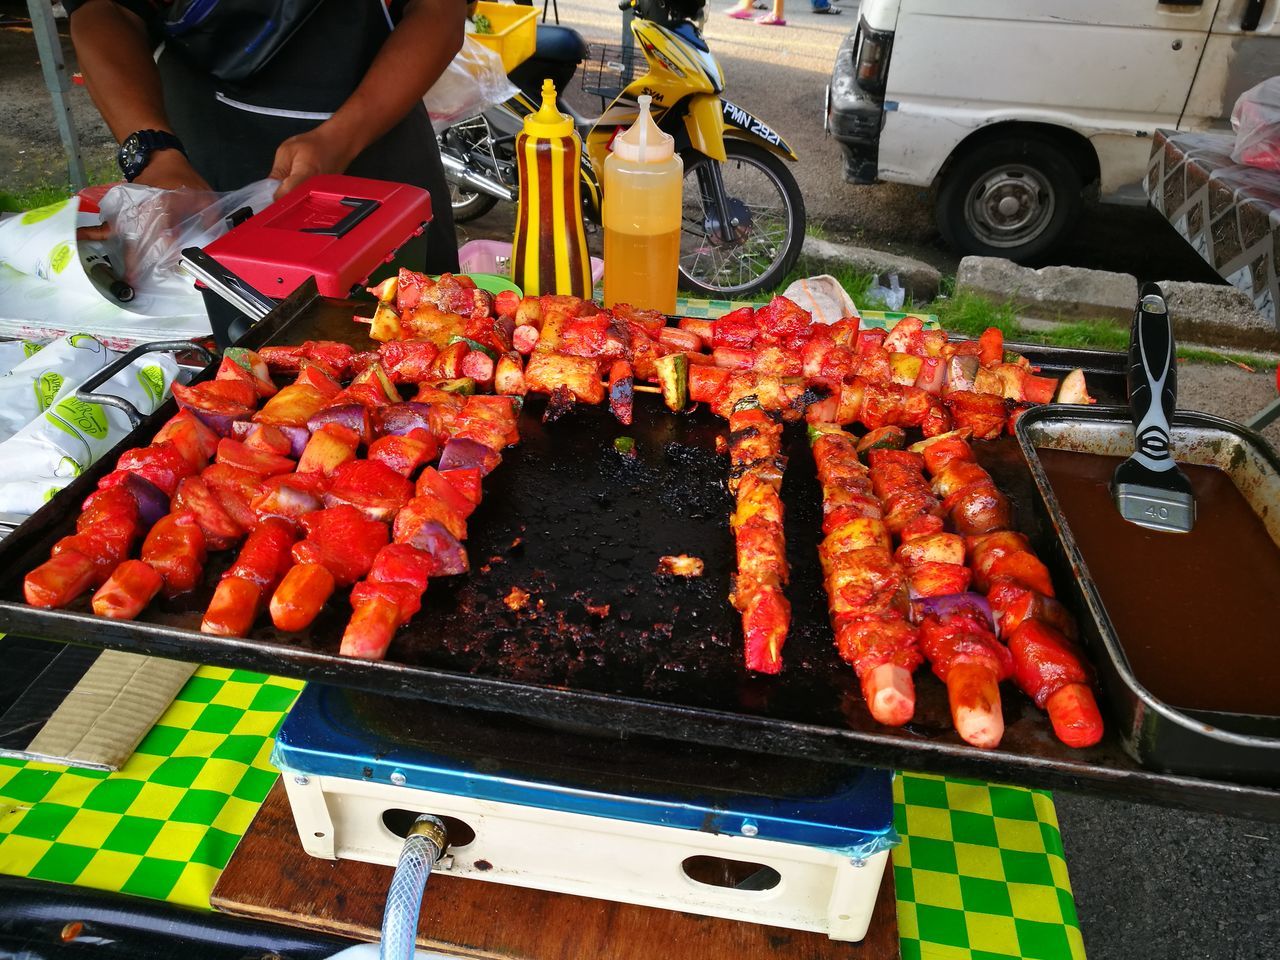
<point x="1095" y="334"/>
<point x="31" y="199"/>
<point x="1244" y="361"/>
<point x="969" y="314"/>
<point x="51" y="191"/>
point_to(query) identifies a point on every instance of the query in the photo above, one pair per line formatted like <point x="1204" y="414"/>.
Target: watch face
<point x="132" y="156"/>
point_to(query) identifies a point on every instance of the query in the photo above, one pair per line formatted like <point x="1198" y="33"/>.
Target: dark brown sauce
<point x="1196" y="613"/>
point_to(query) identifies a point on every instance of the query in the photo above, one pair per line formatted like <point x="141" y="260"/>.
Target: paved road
<point x="780" y="74"/>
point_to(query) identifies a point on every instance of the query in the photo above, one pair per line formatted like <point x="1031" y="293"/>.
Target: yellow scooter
<point x="744" y="218"/>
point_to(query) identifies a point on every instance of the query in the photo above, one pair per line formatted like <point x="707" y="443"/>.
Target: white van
<point x="1013" y="107"/>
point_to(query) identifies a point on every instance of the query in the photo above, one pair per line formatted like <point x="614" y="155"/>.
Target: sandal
<point x="769" y="20"/>
<point x="740" y="14"/>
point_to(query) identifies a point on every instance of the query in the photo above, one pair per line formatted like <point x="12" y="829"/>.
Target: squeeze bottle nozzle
<point x="643" y="142"/>
<point x="547" y="120"/>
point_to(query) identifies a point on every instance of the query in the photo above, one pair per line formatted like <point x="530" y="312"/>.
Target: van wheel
<point x="1013" y="198"/>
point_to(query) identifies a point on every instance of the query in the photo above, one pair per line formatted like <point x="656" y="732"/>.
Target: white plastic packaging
<point x="65" y="440"/>
<point x="35" y="384"/>
<point x="13" y="352"/>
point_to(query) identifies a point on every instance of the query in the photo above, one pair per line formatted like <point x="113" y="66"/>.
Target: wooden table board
<point x="271" y="878"/>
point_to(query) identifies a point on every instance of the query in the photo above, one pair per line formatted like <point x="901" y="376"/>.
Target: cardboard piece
<point x="105" y="715"/>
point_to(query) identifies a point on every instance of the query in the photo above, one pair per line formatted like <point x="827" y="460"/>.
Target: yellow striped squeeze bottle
<point x="643" y="178"/>
<point x="550" y="250"/>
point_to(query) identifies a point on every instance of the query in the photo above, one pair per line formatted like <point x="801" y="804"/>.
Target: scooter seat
<point x="560" y="44"/>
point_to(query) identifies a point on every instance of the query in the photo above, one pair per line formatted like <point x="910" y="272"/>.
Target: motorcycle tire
<point x="468" y="206"/>
<point x="734" y="282"/>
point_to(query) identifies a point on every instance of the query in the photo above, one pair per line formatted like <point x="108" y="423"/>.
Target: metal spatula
<point x="1149" y="489"/>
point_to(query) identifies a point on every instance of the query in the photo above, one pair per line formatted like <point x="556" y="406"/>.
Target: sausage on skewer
<point x="1040" y="632"/>
<point x="865" y="587"/>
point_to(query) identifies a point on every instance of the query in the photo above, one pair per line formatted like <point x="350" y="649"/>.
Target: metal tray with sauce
<point x="1204" y="712"/>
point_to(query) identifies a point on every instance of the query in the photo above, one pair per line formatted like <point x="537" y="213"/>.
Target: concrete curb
<point x="1202" y="312"/>
<point x="1069" y="292"/>
<point x="919" y="279"/>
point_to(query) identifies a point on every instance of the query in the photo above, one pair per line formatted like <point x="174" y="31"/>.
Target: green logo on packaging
<point x="47" y="387"/>
<point x="43" y="213"/>
<point x="151" y="377"/>
<point x="73" y="414"/>
<point x="83" y="341"/>
<point x="30" y="348"/>
<point x="67" y="467"/>
<point x="60" y="256"/>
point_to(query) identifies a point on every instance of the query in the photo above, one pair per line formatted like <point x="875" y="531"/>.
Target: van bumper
<point x="854" y="117"/>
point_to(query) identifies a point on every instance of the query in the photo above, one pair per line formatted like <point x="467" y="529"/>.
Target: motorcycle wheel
<point x="760" y="185"/>
<point x="468" y="206"/>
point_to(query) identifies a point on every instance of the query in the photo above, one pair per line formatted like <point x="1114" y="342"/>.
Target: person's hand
<point x="167" y="170"/>
<point x="316" y="151"/>
<point x="171" y="170"/>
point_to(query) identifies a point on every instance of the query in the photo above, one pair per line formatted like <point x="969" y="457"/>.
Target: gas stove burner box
<point x="336" y="228"/>
<point x="774" y="840"/>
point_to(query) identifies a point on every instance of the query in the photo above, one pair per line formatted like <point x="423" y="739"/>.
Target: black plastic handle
<point x="1153" y="379"/>
<point x="1252" y="15"/>
<point x="86" y="390"/>
<point x="360" y="210"/>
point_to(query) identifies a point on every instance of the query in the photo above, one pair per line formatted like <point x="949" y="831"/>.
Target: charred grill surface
<point x="603" y="640"/>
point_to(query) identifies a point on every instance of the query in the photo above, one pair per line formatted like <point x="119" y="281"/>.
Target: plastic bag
<point x="150" y="228"/>
<point x="1256" y="121"/>
<point x="824" y="298"/>
<point x="474" y="81"/>
<point x="890" y="298"/>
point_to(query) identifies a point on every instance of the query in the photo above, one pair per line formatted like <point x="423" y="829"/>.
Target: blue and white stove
<point x="787" y="842"/>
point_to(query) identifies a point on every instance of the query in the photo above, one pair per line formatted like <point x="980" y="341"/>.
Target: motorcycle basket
<point x="613" y="67"/>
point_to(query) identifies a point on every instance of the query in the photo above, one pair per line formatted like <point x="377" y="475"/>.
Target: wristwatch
<point x="135" y="153"/>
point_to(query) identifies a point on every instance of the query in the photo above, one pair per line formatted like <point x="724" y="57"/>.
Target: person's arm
<point x="115" y="57"/>
<point x="412" y="59"/>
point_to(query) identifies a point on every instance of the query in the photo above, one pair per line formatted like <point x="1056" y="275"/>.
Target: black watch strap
<point x="137" y="149"/>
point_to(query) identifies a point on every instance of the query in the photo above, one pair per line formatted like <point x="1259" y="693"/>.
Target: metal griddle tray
<point x="1153" y="732"/>
<point x="578" y="527"/>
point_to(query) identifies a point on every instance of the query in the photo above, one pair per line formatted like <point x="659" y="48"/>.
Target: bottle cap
<point x="548" y="121"/>
<point x="643" y="142"/>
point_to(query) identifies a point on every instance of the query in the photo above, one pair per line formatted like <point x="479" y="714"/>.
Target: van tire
<point x="1015" y="197"/>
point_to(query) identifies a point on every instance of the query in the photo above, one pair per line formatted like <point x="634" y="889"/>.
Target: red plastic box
<point x="338" y="229"/>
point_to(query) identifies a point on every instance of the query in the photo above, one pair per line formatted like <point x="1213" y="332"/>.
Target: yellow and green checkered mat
<point x="700" y="309"/>
<point x="980" y="873"/>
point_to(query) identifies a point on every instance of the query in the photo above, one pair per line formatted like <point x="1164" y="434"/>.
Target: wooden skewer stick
<point x="643" y="388"/>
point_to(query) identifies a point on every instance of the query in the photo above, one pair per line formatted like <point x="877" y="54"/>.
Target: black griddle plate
<point x="579" y="527"/>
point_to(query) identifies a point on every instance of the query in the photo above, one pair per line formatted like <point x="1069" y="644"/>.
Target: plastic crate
<point x="515" y="31"/>
<point x="610" y="70"/>
<point x="494" y="257"/>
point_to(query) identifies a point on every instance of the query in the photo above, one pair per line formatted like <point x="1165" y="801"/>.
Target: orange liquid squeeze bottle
<point x="550" y="250"/>
<point x="643" y="178"/>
